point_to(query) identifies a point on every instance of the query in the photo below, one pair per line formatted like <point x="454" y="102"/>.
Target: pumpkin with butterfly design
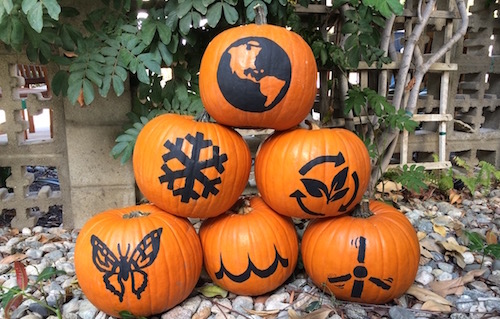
<point x="138" y="259"/>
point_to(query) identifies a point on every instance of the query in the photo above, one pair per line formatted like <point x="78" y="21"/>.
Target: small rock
<point x="241" y="303"/>
<point x="446" y="267"/>
<point x="468" y="257"/>
<point x="277" y="301"/>
<point x="26" y="231"/>
<point x="464" y="303"/>
<point x="192" y="304"/>
<point x="459" y="315"/>
<point x="355" y="311"/>
<point x="424" y="277"/>
<point x="222" y="305"/>
<point x="71" y="306"/>
<point x="34" y="253"/>
<point x="479" y="285"/>
<point x="4" y="268"/>
<point x="87" y="310"/>
<point x="37" y="229"/>
<point x="202" y="313"/>
<point x="400" y="313"/>
<point x="444" y="277"/>
<point x="39" y="309"/>
<point x="177" y="313"/>
<point x="54" y="255"/>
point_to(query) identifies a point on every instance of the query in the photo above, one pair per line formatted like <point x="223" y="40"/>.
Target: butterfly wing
<point x="143" y="256"/>
<point x="106" y="262"/>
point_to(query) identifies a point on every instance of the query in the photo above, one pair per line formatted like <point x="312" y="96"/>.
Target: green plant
<point x="478" y="243"/>
<point x="11" y="298"/>
<point x="412" y="177"/>
<point x="476" y="177"/>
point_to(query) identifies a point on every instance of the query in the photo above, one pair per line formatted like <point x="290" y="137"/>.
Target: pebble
<point x="46" y="246"/>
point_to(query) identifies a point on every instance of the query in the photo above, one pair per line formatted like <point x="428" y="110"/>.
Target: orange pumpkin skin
<point x="109" y="241"/>
<point x="190" y="168"/>
<point x="260" y="76"/>
<point x="312" y="173"/>
<point x="369" y="260"/>
<point x="252" y="253"/>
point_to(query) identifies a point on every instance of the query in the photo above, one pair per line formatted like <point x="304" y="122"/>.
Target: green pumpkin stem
<point x="135" y="214"/>
<point x="260" y="15"/>
<point x="362" y="210"/>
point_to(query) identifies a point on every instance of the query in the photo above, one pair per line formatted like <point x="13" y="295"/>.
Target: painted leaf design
<point x="338" y="181"/>
<point x="314" y="187"/>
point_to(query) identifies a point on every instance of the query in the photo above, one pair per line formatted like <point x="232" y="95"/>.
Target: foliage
<point x="475" y="177"/>
<point x="480" y="244"/>
<point x="11" y="298"/>
<point x="99" y="54"/>
<point x="412" y="177"/>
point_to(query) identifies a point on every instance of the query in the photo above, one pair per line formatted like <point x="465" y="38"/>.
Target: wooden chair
<point x="35" y="76"/>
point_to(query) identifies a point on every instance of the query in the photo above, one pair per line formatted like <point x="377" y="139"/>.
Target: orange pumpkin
<point x="310" y="173"/>
<point x="251" y="251"/>
<point x="258" y="75"/>
<point x="369" y="259"/>
<point x="138" y="259"/>
<point x="190" y="168"/>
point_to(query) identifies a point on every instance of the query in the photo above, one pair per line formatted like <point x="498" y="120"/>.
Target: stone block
<point x="87" y="201"/>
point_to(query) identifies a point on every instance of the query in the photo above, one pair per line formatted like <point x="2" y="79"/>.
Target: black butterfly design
<point x="124" y="267"/>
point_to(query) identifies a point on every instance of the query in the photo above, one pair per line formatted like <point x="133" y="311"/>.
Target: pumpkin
<point x="369" y="259"/>
<point x="138" y="259"/>
<point x="190" y="168"/>
<point x="258" y="75"/>
<point x="250" y="251"/>
<point x="312" y="172"/>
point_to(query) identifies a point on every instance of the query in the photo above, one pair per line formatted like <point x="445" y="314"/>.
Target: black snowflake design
<point x="193" y="167"/>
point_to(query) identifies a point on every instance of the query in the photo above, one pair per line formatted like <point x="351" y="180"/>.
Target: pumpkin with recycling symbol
<point x="312" y="172"/>
<point x="251" y="250"/>
<point x="138" y="259"/>
<point x="190" y="168"/>
<point x="258" y="75"/>
<point x="370" y="256"/>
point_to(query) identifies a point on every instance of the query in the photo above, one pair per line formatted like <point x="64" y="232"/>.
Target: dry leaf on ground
<point x="431" y="305"/>
<point x="262" y="313"/>
<point x="423" y="294"/>
<point x="12" y="258"/>
<point x="455" y="286"/>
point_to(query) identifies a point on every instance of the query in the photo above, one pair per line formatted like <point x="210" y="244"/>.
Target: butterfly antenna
<point x="120" y="251"/>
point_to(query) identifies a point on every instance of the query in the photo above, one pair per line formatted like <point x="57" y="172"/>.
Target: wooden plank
<point x="436" y="67"/>
<point x="432" y="117"/>
<point x="426" y="165"/>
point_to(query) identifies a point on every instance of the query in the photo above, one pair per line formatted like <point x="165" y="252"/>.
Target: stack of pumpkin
<point x="146" y="259"/>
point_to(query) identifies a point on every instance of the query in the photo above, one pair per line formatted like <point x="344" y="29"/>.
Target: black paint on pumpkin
<point x="262" y="273"/>
<point x="254" y="74"/>
<point x="359" y="273"/>
<point x="316" y="188"/>
<point x="121" y="268"/>
<point x="193" y="167"/>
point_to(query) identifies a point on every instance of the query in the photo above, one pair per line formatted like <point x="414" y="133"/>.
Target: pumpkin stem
<point x="135" y="214"/>
<point x="310" y="124"/>
<point x="362" y="210"/>
<point x="260" y="15"/>
<point x="203" y="116"/>
<point x="242" y="206"/>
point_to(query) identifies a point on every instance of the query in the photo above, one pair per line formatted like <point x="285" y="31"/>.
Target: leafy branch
<point x="11" y="298"/>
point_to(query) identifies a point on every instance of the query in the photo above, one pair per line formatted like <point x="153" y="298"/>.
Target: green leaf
<point x="166" y="56"/>
<point x="35" y="17"/>
<point x="396" y="6"/>
<point x="74" y="90"/>
<point x="27" y="5"/>
<point x="60" y="82"/>
<point x="165" y="33"/>
<point x="94" y="77"/>
<point x="118" y="85"/>
<point x="349" y="27"/>
<point x="185" y="24"/>
<point x="214" y="14"/>
<point x="200" y="6"/>
<point x="212" y="290"/>
<point x="206" y="3"/>
<point x="183" y="8"/>
<point x="88" y="92"/>
<point x="230" y="13"/>
<point x="53" y="8"/>
<point x="48" y="273"/>
<point x="121" y="72"/>
<point x="142" y="74"/>
<point x="493" y="250"/>
<point x="476" y="241"/>
<point x="106" y="85"/>
<point x="17" y="35"/>
<point x="148" y="31"/>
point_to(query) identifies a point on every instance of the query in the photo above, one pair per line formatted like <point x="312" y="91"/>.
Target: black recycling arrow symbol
<point x="298" y="196"/>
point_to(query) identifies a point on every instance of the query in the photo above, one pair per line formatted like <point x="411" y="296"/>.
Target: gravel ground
<point x="452" y="281"/>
